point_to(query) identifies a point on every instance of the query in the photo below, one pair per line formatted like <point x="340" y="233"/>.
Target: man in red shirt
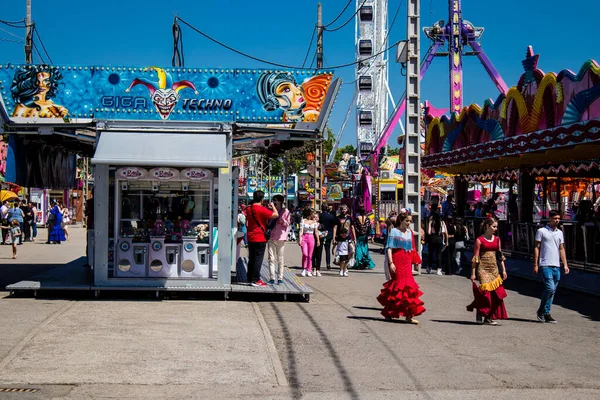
<point x="257" y="218"/>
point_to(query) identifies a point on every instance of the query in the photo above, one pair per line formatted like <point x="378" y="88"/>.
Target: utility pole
<point x="28" y="36"/>
<point x="412" y="156"/>
<point x="319" y="147"/>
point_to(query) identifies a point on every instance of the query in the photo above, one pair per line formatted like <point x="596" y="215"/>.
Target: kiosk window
<point x="130" y="205"/>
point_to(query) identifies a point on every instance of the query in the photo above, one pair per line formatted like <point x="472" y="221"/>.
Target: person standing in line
<point x="241" y="222"/>
<point x="15" y="232"/>
<point x="34" y="220"/>
<point x="451" y="232"/>
<point x="257" y="217"/>
<point x="308" y="239"/>
<point x="489" y="295"/>
<point x="276" y="243"/>
<point x="438" y="237"/>
<point x="66" y="219"/>
<point x="26" y="231"/>
<point x="4" y="220"/>
<point x="16" y="214"/>
<point x="548" y="252"/>
<point x="56" y="234"/>
<point x="342" y="250"/>
<point x="327" y="219"/>
<point x="448" y="207"/>
<point x="318" y="252"/>
<point x="362" y="227"/>
<point x="461" y="235"/>
<point x="401" y="294"/>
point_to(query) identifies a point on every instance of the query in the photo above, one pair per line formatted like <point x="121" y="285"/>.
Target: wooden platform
<point x="75" y="277"/>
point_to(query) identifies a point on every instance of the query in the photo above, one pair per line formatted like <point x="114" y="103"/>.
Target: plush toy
<point x="202" y="232"/>
<point x="185" y="225"/>
<point x="159" y="228"/>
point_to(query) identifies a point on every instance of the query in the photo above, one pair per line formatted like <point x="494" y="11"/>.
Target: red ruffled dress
<point x="400" y="295"/>
<point x="489" y="294"/>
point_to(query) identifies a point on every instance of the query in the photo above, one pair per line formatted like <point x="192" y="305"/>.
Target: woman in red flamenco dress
<point x="400" y="295"/>
<point x="490" y="293"/>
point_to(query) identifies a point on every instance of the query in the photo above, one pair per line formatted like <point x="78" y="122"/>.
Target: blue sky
<point x="138" y="33"/>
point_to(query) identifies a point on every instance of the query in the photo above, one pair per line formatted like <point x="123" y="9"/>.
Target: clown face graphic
<point x="166" y="95"/>
<point x="165" y="101"/>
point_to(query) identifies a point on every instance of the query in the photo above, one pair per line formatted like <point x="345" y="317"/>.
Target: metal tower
<point x="371" y="73"/>
<point x="458" y="34"/>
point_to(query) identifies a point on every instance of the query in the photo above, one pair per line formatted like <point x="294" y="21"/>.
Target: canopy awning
<point x="162" y="149"/>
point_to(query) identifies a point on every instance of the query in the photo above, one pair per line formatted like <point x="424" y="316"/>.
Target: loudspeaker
<point x="155" y="186"/>
<point x="123" y="185"/>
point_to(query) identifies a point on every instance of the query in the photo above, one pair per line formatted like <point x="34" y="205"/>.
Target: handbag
<point x="266" y="232"/>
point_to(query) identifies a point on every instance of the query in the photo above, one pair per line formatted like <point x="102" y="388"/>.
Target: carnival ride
<point x="452" y="39"/>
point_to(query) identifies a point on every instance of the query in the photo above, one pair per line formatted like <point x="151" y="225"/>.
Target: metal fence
<point x="386" y="207"/>
<point x="582" y="240"/>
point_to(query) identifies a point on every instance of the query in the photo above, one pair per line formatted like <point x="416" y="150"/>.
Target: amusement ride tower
<point x="372" y="73"/>
<point x="453" y="40"/>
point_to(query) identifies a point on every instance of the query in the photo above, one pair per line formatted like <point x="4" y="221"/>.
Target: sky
<point x="138" y="33"/>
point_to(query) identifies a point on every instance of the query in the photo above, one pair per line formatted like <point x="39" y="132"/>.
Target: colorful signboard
<point x="271" y="185"/>
<point x="42" y="93"/>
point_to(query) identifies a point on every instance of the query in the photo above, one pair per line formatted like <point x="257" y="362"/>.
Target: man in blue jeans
<point x="548" y="252"/>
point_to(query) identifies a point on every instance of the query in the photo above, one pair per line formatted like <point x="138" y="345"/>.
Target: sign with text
<point x="164" y="174"/>
<point x="131" y="173"/>
<point x="43" y="93"/>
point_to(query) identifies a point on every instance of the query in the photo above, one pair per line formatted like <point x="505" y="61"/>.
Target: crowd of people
<point x="19" y="223"/>
<point x="345" y="239"/>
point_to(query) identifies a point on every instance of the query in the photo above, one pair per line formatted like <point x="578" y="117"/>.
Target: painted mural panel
<point x="540" y="101"/>
<point x="42" y="93"/>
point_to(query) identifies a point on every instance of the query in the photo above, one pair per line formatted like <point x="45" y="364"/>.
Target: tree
<point x="350" y="149"/>
<point x="392" y="151"/>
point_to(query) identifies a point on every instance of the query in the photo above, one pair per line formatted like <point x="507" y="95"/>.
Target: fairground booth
<point x="536" y="148"/>
<point x="162" y="142"/>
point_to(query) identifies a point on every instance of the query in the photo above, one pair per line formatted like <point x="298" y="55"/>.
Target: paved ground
<point x="335" y="347"/>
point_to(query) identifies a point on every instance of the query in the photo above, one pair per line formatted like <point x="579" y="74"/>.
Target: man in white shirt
<point x="549" y="251"/>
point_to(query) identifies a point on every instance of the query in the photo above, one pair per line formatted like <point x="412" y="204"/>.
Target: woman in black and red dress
<point x="490" y="293"/>
<point x="401" y="295"/>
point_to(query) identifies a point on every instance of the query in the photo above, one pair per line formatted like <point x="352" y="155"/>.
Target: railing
<point x="582" y="241"/>
<point x="385" y="207"/>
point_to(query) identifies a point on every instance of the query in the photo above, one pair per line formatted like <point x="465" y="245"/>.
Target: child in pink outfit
<point x="308" y="238"/>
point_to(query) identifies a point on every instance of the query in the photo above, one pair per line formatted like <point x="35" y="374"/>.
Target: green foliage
<point x="392" y="151"/>
<point x="350" y="149"/>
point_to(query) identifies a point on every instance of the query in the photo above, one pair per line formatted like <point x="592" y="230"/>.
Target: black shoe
<point x="328" y="267"/>
<point x="541" y="317"/>
<point x="549" y="319"/>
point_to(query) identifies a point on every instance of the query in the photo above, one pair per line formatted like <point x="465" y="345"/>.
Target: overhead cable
<point x="309" y="46"/>
<point x="178" y="59"/>
<point x="349" y="20"/>
<point x="278" y="64"/>
<point x="42" y="43"/>
<point x="340" y="14"/>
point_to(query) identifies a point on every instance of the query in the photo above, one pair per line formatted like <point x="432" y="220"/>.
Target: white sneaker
<point x="318" y="273"/>
<point x="341" y="273"/>
<point x="346" y="273"/>
<point x="308" y="273"/>
<point x="303" y="272"/>
<point x="439" y="272"/>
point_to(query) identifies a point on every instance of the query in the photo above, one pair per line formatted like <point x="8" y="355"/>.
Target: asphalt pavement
<point x="336" y="347"/>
